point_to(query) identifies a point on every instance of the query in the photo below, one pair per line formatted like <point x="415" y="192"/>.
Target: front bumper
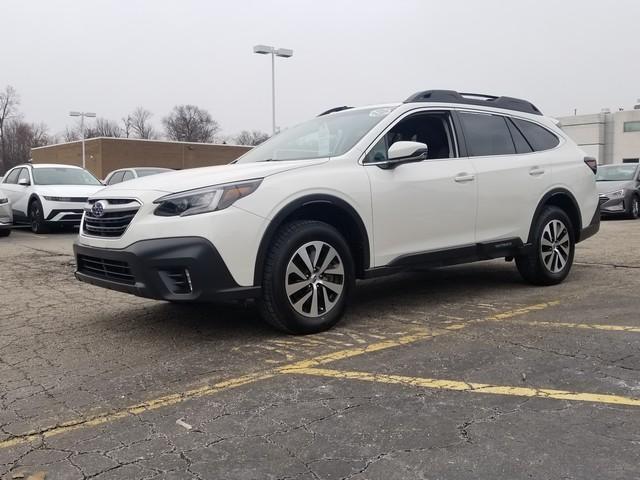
<point x="613" y="206"/>
<point x="176" y="269"/>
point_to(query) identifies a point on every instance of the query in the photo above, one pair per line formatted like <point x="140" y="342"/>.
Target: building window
<point x="632" y="126"/>
<point x="630" y="160"/>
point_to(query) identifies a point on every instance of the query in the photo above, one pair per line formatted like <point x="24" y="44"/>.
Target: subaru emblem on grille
<point x="98" y="208"/>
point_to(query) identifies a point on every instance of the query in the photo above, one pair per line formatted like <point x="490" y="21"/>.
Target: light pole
<point x="274" y="52"/>
<point x="82" y="115"/>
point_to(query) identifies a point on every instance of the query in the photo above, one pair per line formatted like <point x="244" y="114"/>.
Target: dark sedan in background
<point x="619" y="189"/>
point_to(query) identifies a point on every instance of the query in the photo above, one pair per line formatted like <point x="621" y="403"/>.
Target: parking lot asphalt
<point x="464" y="372"/>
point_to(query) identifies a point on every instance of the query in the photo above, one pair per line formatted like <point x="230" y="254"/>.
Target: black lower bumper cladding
<point x="141" y="269"/>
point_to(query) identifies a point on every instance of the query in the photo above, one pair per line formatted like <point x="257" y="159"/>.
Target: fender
<point x="315" y="199"/>
<point x="548" y="196"/>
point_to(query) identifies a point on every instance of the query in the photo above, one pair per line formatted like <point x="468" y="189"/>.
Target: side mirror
<point x="24" y="182"/>
<point x="405" y="152"/>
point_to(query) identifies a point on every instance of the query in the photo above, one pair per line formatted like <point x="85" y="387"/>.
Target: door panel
<point x="510" y="184"/>
<point x="418" y="207"/>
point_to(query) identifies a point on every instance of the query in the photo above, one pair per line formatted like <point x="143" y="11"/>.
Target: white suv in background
<point x="44" y="195"/>
<point x="441" y="179"/>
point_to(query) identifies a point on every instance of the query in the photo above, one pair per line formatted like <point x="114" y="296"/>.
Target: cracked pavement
<point x="92" y="381"/>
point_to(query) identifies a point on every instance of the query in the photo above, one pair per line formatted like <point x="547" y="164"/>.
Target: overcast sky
<point x="111" y="56"/>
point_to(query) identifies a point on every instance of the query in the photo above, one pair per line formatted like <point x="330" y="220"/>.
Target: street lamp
<point x="274" y="52"/>
<point x="82" y="115"/>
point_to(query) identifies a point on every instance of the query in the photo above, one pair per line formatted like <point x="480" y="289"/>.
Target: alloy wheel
<point x="314" y="279"/>
<point x="555" y="246"/>
<point x="635" y="208"/>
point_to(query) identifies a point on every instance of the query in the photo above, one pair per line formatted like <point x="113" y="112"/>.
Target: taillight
<point x="592" y="163"/>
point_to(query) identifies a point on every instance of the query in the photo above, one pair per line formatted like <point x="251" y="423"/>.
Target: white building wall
<point x="602" y="135"/>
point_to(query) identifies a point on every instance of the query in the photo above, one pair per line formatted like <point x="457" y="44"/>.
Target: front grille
<point x="116" y="217"/>
<point x="107" y="269"/>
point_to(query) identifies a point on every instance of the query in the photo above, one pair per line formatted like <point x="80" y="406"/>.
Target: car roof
<point x="48" y="165"/>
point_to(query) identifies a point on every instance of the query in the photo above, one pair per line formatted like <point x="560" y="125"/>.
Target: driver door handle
<point x="535" y="171"/>
<point x="464" y="177"/>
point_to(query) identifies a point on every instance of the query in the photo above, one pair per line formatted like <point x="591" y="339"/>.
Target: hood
<point x="607" y="187"/>
<point x="181" y="180"/>
<point x="67" y="190"/>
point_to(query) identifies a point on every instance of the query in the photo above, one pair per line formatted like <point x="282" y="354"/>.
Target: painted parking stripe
<point x="415" y="335"/>
<point x="471" y="387"/>
<point x="584" y="326"/>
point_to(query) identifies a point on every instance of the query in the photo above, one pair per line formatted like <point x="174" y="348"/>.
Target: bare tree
<point x="141" y="123"/>
<point x="21" y="137"/>
<point x="70" y="134"/>
<point x="127" y="126"/>
<point x="188" y="123"/>
<point x="254" y="137"/>
<point x="103" y="128"/>
<point x="9" y="101"/>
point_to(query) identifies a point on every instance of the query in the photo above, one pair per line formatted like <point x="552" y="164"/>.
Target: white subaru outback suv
<point x="441" y="179"/>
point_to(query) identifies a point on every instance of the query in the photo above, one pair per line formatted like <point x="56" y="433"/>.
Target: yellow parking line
<point x="585" y="326"/>
<point x="471" y="387"/>
<point x="154" y="404"/>
<point x="175" y="398"/>
<point x="522" y="311"/>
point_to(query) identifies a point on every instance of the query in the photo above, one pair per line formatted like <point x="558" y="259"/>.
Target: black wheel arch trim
<point x="278" y="220"/>
<point x="543" y="202"/>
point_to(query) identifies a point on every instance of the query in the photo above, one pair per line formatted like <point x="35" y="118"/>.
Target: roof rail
<point x="333" y="110"/>
<point x="451" y="96"/>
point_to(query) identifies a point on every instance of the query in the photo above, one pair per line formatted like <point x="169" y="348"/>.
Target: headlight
<point x="58" y="199"/>
<point x="207" y="199"/>
<point x="616" y="194"/>
<point x="3" y="200"/>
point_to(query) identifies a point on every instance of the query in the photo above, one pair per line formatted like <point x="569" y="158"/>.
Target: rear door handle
<point x="535" y="171"/>
<point x="464" y="177"/>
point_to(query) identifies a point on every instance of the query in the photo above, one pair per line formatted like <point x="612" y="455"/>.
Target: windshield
<point x="151" y="171"/>
<point x="325" y="136"/>
<point x="615" y="173"/>
<point x="63" y="176"/>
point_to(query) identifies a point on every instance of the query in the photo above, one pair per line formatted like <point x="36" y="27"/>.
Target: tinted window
<point x="538" y="137"/>
<point x="522" y="146"/>
<point x="486" y="134"/>
<point x="128" y="175"/>
<point x="12" y="177"/>
<point x="24" y="175"/>
<point x="115" y="178"/>
<point x="632" y="126"/>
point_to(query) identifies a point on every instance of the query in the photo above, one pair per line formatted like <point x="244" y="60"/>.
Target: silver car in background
<point x="6" y="216"/>
<point x="619" y="189"/>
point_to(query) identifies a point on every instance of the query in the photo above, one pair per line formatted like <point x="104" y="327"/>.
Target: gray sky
<point x="111" y="56"/>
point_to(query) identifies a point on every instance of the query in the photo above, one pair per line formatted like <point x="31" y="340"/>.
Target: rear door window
<point x="24" y="175"/>
<point x="115" y="178"/>
<point x="486" y="134"/>
<point x="538" y="137"/>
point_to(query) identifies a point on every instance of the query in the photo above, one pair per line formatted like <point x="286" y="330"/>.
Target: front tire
<point x="5" y="232"/>
<point x="308" y="277"/>
<point x="553" y="248"/>
<point x="634" y="208"/>
<point x="36" y="217"/>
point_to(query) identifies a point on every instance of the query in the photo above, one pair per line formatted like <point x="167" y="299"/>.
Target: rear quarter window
<point x="538" y="137"/>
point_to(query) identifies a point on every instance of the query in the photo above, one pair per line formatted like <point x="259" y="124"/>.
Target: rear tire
<point x="36" y="217"/>
<point x="634" y="208"/>
<point x="308" y="277"/>
<point x="553" y="248"/>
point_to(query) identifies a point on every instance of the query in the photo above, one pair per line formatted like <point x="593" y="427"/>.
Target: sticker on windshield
<point x="380" y="112"/>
